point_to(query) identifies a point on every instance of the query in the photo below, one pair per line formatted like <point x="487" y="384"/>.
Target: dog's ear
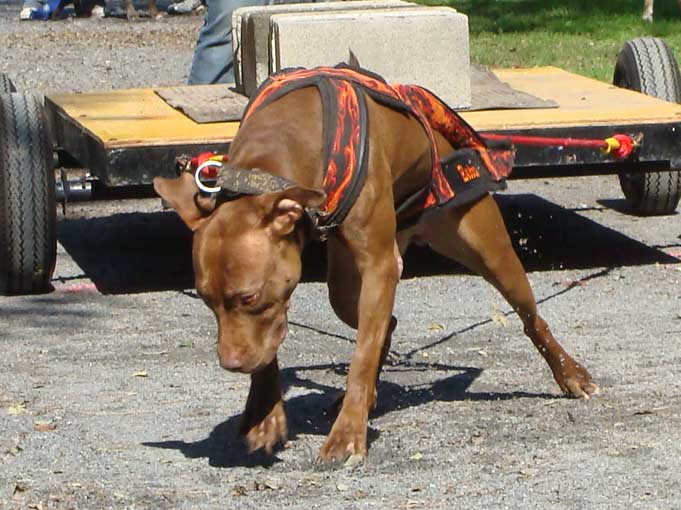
<point x="183" y="194"/>
<point x="353" y="61"/>
<point x="287" y="207"/>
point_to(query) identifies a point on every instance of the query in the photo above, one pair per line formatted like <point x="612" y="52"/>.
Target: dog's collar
<point x="236" y="182"/>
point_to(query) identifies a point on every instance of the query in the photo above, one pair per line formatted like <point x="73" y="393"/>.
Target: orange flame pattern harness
<point x="473" y="169"/>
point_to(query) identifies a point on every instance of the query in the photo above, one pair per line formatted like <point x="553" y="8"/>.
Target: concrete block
<point x="240" y="17"/>
<point x="251" y="34"/>
<point x="426" y="46"/>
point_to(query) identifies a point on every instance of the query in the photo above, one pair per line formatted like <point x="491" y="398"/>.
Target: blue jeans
<point x="33" y="4"/>
<point x="213" y="61"/>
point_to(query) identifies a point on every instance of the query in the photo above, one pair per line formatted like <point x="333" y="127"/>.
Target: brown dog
<point x="247" y="258"/>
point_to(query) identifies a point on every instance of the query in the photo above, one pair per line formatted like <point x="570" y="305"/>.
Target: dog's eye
<point x="249" y="299"/>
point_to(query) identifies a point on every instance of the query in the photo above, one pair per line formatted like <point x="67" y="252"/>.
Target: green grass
<point x="583" y="36"/>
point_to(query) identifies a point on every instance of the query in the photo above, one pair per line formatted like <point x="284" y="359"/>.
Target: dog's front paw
<point x="348" y="438"/>
<point x="575" y="381"/>
<point x="267" y="432"/>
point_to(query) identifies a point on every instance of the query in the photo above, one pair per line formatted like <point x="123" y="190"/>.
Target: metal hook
<point x="197" y="177"/>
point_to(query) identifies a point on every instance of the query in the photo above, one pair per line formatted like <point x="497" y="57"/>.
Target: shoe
<point x="186" y="7"/>
<point x="26" y="12"/>
<point x="97" y="12"/>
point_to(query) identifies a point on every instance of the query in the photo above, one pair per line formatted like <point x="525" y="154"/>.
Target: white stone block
<point x="426" y="46"/>
<point x="251" y="34"/>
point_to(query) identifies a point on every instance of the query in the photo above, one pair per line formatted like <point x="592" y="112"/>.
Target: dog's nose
<point x="231" y="360"/>
<point x="231" y="363"/>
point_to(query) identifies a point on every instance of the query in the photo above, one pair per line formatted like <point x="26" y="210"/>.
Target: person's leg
<point x="213" y="61"/>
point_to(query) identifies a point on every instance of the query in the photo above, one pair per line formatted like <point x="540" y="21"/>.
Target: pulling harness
<point x="476" y="166"/>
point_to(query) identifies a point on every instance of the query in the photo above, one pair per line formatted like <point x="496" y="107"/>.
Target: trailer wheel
<point x="6" y="85"/>
<point x="28" y="222"/>
<point x="647" y="65"/>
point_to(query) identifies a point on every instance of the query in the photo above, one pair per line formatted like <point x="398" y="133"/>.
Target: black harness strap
<point x="358" y="174"/>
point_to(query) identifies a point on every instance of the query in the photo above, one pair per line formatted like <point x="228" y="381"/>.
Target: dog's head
<point x="247" y="263"/>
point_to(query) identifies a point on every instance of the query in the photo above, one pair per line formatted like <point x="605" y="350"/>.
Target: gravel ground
<point x="111" y="396"/>
<point x="76" y="55"/>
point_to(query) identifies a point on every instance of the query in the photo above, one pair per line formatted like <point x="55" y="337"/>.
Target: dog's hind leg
<point x="475" y="236"/>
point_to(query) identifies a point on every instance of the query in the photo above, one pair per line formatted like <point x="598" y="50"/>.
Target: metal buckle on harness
<point x="318" y="231"/>
<point x="199" y="172"/>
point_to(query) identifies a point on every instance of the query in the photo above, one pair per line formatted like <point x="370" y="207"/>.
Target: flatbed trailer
<point x="127" y="137"/>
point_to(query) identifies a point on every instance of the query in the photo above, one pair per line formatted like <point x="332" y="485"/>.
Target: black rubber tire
<point x="28" y="213"/>
<point x="6" y="85"/>
<point x="647" y="65"/>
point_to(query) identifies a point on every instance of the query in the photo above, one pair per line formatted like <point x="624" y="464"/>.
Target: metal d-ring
<point x="197" y="177"/>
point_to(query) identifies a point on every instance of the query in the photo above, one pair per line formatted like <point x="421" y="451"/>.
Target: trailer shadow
<point x="308" y="414"/>
<point x="143" y="252"/>
<point x="131" y="252"/>
<point x="620" y="205"/>
<point x="66" y="311"/>
<point x="548" y="237"/>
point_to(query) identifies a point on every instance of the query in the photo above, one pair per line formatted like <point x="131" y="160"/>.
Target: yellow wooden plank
<point x="138" y="117"/>
<point x="582" y="102"/>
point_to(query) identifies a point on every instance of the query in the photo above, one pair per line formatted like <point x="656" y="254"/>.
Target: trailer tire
<point x="647" y="65"/>
<point x="28" y="221"/>
<point x="6" y="85"/>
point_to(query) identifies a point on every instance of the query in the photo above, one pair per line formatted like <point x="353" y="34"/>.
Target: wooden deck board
<point x="582" y="102"/>
<point x="138" y="117"/>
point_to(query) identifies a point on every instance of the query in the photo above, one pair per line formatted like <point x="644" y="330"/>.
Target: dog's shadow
<point x="143" y="252"/>
<point x="311" y="413"/>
